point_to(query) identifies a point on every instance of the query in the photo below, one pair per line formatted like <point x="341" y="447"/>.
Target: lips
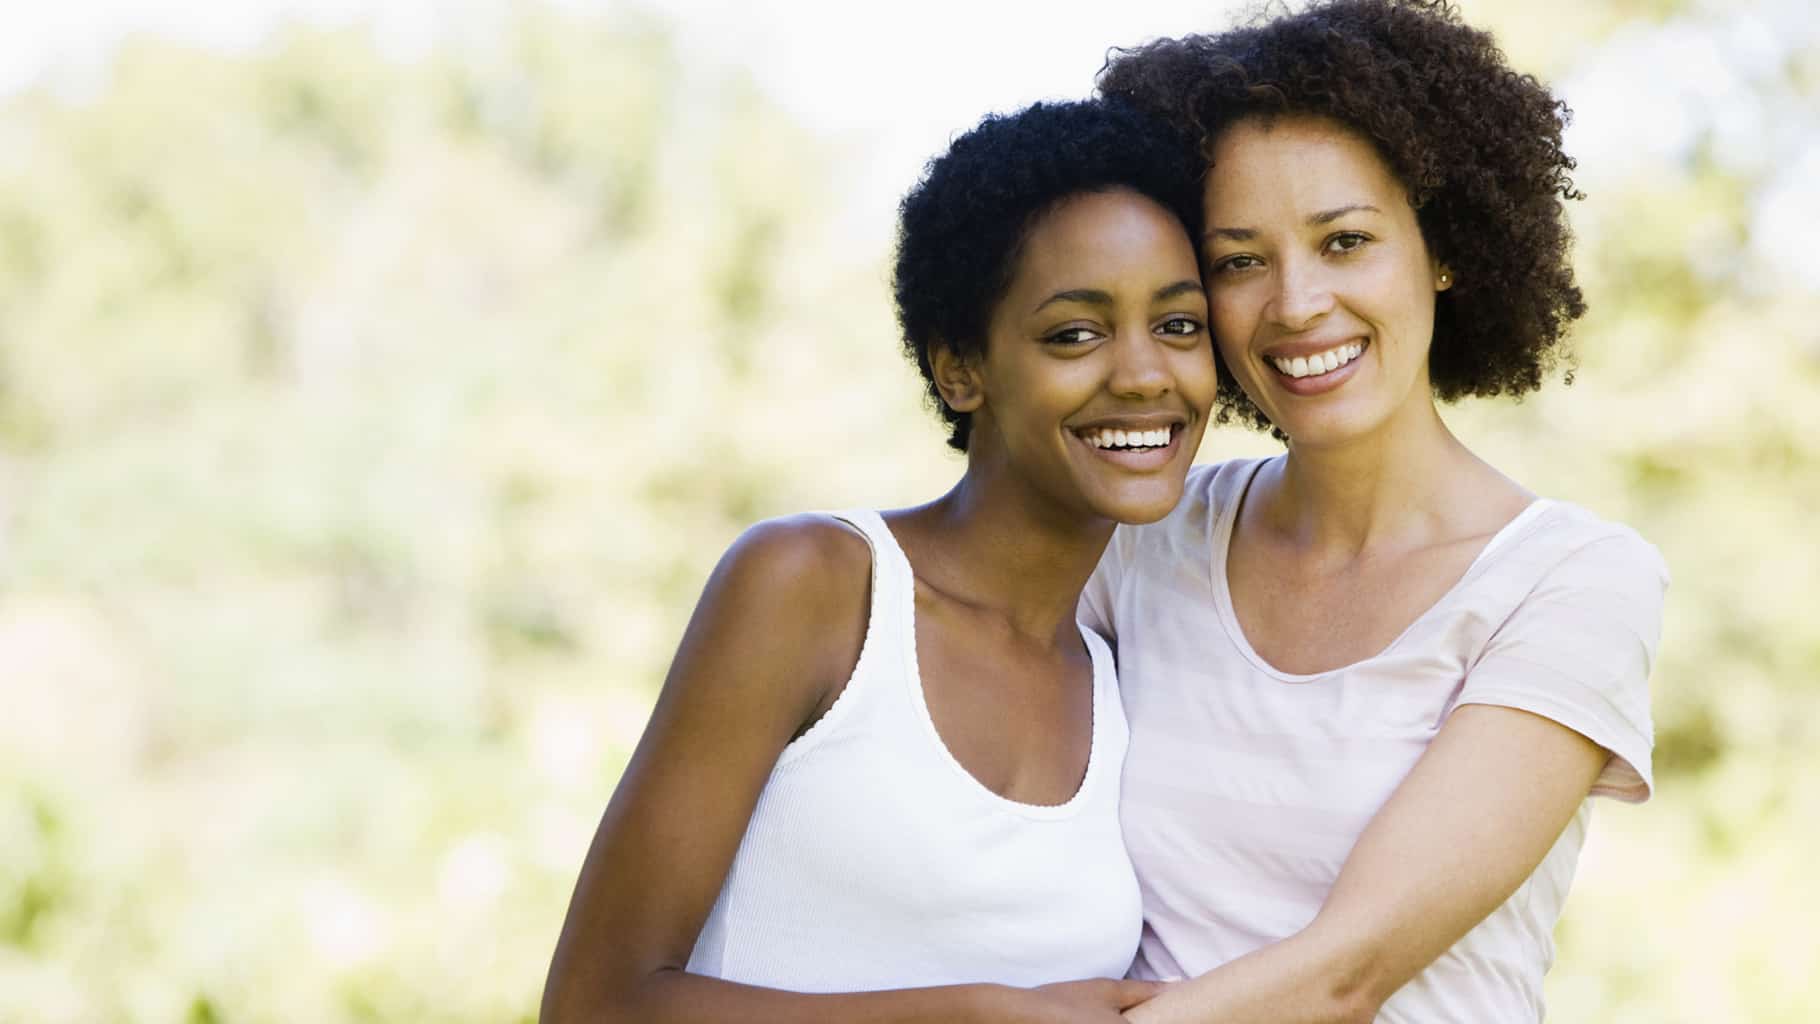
<point x="1315" y="364"/>
<point x="1131" y="431"/>
<point x="1138" y="442"/>
<point x="1312" y="368"/>
<point x="1113" y="437"/>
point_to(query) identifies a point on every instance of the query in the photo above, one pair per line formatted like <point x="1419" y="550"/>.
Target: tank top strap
<point x="893" y="584"/>
<point x="891" y="623"/>
<point x="887" y="653"/>
<point x="1110" y="732"/>
<point x="1105" y="671"/>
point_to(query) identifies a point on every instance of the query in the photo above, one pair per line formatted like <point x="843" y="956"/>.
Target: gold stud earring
<point x="1446" y="279"/>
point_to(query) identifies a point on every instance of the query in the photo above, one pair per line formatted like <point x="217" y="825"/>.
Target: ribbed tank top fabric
<point x="874" y="859"/>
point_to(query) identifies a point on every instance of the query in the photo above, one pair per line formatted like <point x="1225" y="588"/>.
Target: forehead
<point x="1099" y="234"/>
<point x="1297" y="165"/>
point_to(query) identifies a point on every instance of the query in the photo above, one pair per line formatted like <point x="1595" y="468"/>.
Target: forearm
<point x="1458" y="837"/>
<point x="1313" y="977"/>
<point x="677" y="997"/>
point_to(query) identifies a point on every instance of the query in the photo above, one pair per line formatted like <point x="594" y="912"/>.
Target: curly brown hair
<point x="1477" y="145"/>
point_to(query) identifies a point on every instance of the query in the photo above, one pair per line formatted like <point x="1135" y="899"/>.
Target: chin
<point x="1325" y="431"/>
<point x="1138" y="509"/>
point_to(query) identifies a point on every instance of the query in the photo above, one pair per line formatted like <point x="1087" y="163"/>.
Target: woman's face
<point x="1321" y="288"/>
<point x="1097" y="374"/>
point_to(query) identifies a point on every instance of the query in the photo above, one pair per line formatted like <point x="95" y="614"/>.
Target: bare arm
<point x="1473" y="819"/>
<point x="1482" y="807"/>
<point x="776" y="633"/>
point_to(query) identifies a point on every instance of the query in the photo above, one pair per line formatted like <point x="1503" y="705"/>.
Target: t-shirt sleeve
<point x="1578" y="650"/>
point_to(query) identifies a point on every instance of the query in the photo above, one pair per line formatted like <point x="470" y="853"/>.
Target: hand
<point x="1094" y="1001"/>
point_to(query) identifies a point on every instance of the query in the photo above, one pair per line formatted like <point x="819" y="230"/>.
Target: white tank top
<point x="874" y="860"/>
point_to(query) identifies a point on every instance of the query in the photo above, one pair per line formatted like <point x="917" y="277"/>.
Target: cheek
<point x="1411" y="305"/>
<point x="1232" y="318"/>
<point x="1411" y="328"/>
<point x="1031" y="398"/>
<point x="1229" y="342"/>
<point x="1195" y="375"/>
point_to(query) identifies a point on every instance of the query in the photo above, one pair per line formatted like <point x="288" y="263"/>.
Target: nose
<point x="1140" y="366"/>
<point x="1302" y="295"/>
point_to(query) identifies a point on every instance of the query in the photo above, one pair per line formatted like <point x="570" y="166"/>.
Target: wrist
<point x="987" y="1003"/>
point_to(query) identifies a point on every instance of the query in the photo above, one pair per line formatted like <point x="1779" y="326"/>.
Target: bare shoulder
<point x="795" y="593"/>
<point x="805" y="557"/>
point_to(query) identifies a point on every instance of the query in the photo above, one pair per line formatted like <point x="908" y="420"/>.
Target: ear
<point x="1443" y="276"/>
<point x="957" y="377"/>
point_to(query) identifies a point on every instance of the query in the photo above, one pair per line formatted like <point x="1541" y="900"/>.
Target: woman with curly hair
<point x="887" y="755"/>
<point x="1371" y="682"/>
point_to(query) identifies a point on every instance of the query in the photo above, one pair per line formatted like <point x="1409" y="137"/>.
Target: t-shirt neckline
<point x="1226" y="519"/>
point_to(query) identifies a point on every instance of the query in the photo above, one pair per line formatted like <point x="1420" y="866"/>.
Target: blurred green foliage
<point x="367" y="427"/>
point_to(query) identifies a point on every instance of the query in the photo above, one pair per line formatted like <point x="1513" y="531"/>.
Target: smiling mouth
<point x="1110" y="439"/>
<point x="1319" y="363"/>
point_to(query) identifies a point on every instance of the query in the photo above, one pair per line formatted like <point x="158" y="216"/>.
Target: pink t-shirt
<point x="1246" y="787"/>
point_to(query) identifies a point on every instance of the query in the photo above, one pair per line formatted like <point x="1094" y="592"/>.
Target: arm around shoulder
<point x="1555" y="708"/>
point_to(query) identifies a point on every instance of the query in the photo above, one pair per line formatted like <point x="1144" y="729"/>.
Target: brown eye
<point x="1346" y="241"/>
<point x="1182" y="326"/>
<point x="1071" y="336"/>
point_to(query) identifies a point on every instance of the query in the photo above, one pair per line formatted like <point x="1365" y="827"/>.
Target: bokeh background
<point x="378" y="383"/>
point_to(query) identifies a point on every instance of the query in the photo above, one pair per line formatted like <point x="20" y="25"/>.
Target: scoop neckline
<point x="1227" y="520"/>
<point x="919" y="701"/>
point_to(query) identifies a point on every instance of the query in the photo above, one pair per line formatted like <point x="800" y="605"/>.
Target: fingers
<point x="1112" y="993"/>
<point x="1130" y="992"/>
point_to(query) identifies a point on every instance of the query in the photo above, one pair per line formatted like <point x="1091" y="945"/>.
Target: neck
<point x="1370" y="490"/>
<point x="1006" y="553"/>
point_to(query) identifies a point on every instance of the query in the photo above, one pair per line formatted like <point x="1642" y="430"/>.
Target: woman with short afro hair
<point x="962" y="229"/>
<point x="1372" y="682"/>
<point x="881" y="780"/>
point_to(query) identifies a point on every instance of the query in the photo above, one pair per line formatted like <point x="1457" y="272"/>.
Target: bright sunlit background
<point x="378" y="383"/>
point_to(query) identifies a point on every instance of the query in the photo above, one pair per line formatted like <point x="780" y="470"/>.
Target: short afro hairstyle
<point x="961" y="229"/>
<point x="1476" y="144"/>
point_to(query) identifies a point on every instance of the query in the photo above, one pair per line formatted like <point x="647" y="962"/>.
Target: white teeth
<point x="1128" y="438"/>
<point x="1320" y="362"/>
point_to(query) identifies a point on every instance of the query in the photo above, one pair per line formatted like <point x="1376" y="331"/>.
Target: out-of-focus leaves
<point x="368" y="427"/>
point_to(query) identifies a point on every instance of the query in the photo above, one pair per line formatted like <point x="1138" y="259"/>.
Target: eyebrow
<point x="1096" y="297"/>
<point x="1181" y="287"/>
<point x="1329" y="216"/>
<point x="1323" y="217"/>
